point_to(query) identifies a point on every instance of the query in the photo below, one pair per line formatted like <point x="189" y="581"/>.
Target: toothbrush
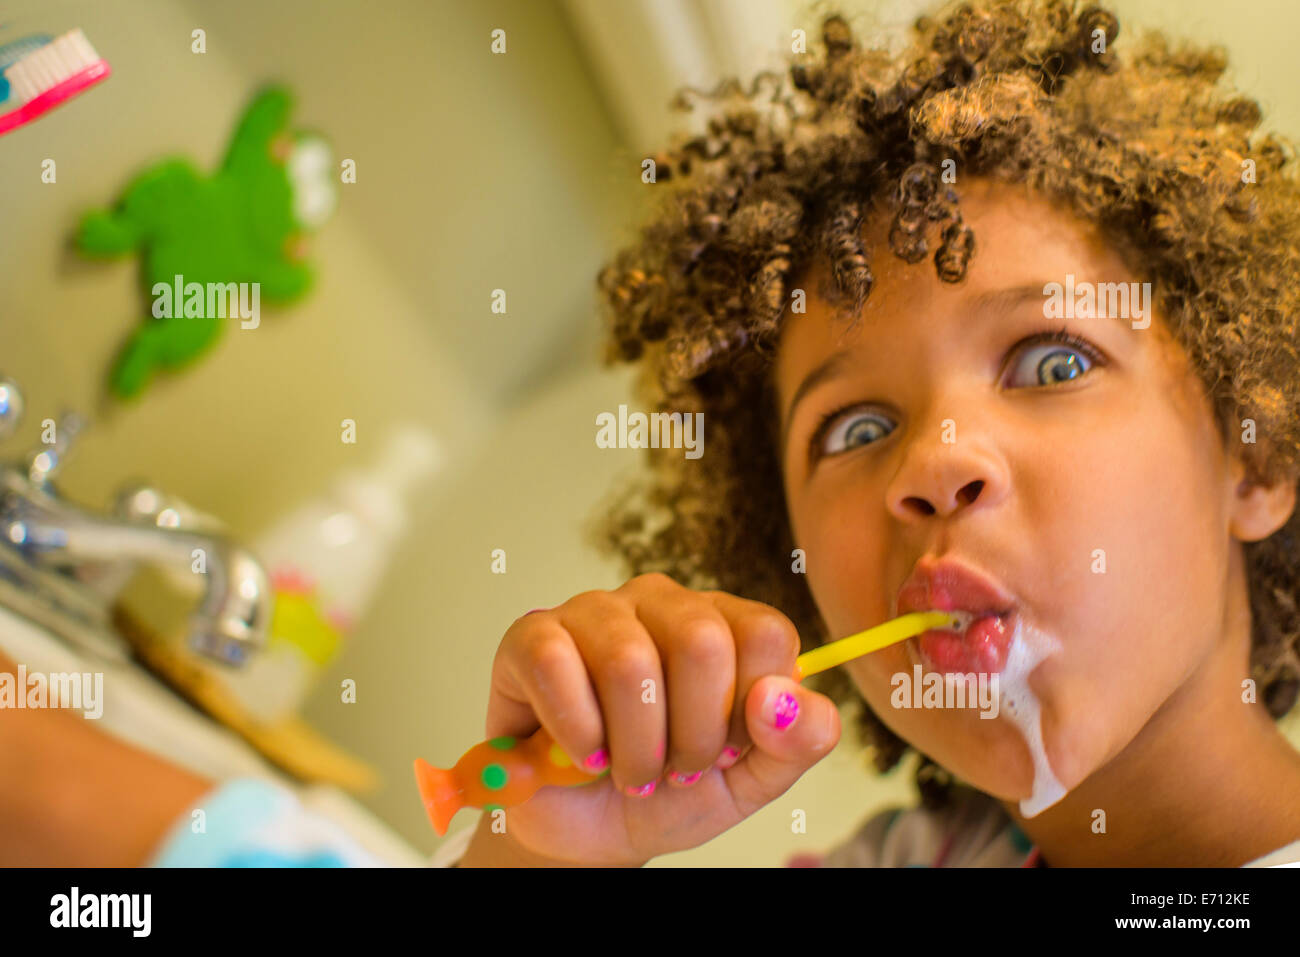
<point x="505" y="771"/>
<point x="50" y="74"/>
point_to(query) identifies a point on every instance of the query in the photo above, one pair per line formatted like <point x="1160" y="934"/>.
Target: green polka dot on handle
<point x="494" y="777"/>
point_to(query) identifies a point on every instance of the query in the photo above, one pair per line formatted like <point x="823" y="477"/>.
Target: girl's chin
<point x="991" y="754"/>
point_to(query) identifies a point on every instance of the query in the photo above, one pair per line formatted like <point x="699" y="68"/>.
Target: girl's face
<point x="1086" y="479"/>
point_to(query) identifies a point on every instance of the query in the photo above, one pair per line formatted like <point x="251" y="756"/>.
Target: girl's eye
<point x="1062" y="358"/>
<point x="840" y="432"/>
<point x="1044" y="359"/>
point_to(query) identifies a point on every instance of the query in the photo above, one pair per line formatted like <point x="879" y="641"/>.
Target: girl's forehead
<point x="1022" y="239"/>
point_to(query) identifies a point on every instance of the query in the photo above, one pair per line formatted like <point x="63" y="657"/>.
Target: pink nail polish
<point x="729" y="756"/>
<point x="685" y="780"/>
<point x="597" y="760"/>
<point x="644" y="790"/>
<point x="782" y="711"/>
<point x="659" y="751"/>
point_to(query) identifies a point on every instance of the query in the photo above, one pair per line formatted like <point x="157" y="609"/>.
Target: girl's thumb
<point x="792" y="729"/>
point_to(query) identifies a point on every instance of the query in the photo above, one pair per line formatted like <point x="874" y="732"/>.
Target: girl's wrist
<point x="489" y="849"/>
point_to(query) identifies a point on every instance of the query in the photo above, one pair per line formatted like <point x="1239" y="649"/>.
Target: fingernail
<point x="644" y="790"/>
<point x="537" y="609"/>
<point x="729" y="756"/>
<point x="780" y="710"/>
<point x="597" y="760"/>
<point x="685" y="780"/>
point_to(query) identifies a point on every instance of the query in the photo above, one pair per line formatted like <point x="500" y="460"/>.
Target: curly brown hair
<point x="1148" y="145"/>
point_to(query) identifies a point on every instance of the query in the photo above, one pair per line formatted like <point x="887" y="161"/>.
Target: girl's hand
<point x="661" y="680"/>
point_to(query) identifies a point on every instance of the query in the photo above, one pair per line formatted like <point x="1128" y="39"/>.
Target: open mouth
<point x="982" y="640"/>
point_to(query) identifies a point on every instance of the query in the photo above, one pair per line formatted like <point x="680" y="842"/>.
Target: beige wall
<point x="474" y="173"/>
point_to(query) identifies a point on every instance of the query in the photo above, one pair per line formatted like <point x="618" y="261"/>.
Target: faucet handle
<point x="11" y="407"/>
<point x="43" y="464"/>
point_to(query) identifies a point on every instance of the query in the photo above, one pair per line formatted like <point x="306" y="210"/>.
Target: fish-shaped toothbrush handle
<point x="497" y="773"/>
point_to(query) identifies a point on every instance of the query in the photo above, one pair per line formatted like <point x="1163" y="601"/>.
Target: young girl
<point x="910" y="299"/>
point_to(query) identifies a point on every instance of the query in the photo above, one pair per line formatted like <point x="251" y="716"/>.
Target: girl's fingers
<point x="623" y="661"/>
<point x="654" y="677"/>
<point x="767" y="643"/>
<point x="539" y="677"/>
<point x="699" y="651"/>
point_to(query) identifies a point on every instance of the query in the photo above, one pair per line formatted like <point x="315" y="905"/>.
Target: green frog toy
<point x="213" y="246"/>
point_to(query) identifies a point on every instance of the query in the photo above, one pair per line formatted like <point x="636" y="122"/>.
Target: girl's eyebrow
<point x="997" y="300"/>
<point x="828" y="368"/>
<point x="1014" y="297"/>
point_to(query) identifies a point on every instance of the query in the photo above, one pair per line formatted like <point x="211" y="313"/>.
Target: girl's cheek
<point x="843" y="568"/>
<point x="1135" y="616"/>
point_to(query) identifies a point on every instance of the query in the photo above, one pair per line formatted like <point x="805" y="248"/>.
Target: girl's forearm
<point x="75" y="796"/>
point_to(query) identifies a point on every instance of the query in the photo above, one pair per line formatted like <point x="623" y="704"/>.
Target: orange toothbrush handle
<point x="497" y="773"/>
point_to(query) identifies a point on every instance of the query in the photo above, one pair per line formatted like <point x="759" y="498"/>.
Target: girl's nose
<point x="939" y="479"/>
<point x="966" y="495"/>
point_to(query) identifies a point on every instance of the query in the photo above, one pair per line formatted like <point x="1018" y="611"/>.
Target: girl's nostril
<point x="920" y="504"/>
<point x="970" y="492"/>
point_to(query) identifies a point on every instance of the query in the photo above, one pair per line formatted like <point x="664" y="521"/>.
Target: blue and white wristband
<point x="247" y="822"/>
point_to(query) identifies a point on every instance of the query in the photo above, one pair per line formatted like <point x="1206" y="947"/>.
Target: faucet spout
<point x="231" y="620"/>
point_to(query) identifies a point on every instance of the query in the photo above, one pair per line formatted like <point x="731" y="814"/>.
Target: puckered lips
<point x="947" y="584"/>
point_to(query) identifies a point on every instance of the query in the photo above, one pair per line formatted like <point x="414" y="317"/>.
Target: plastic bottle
<point x="324" y="560"/>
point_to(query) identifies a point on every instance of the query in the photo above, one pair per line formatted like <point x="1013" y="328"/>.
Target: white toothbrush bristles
<point x="47" y="67"/>
<point x="961" y="620"/>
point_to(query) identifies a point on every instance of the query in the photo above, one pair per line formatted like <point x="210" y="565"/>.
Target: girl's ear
<point x="1259" y="509"/>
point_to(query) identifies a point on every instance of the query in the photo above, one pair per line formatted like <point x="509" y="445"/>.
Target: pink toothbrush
<point x="51" y="74"/>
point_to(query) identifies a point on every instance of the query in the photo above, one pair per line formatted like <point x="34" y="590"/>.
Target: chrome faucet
<point x="60" y="564"/>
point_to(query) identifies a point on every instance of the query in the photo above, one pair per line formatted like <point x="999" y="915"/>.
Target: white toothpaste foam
<point x="1029" y="646"/>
